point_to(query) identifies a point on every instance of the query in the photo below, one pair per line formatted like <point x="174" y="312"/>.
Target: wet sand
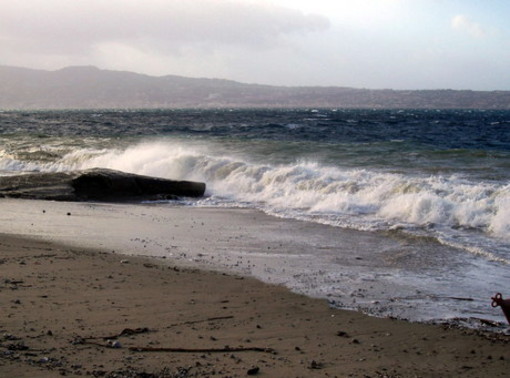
<point x="81" y="312"/>
<point x="383" y="274"/>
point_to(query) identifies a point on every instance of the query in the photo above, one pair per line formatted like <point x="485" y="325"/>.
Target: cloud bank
<point x="63" y="26"/>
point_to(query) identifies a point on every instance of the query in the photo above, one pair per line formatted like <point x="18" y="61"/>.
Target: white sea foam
<point x="364" y="199"/>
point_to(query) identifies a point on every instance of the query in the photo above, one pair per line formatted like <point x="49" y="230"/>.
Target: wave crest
<point x="365" y="199"/>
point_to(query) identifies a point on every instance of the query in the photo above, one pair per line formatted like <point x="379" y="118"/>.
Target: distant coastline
<point x="87" y="87"/>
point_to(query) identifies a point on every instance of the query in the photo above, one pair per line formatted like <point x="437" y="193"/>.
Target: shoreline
<point x="385" y="275"/>
<point x="61" y="304"/>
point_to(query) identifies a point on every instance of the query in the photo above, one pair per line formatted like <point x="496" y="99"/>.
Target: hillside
<point x="89" y="87"/>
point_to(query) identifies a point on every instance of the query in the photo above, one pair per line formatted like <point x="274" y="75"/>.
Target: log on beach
<point x="96" y="184"/>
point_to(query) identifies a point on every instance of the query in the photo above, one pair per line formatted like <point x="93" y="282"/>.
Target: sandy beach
<point x="384" y="274"/>
<point x="93" y="312"/>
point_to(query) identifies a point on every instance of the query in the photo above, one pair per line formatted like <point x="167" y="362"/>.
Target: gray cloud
<point x="63" y="26"/>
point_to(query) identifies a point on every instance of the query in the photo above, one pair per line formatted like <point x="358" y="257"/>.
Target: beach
<point x="383" y="274"/>
<point x="74" y="304"/>
<point x="327" y="242"/>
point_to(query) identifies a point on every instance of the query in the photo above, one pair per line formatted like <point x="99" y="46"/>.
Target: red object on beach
<point x="498" y="300"/>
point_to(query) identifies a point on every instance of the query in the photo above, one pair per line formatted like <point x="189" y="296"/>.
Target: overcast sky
<point x="400" y="44"/>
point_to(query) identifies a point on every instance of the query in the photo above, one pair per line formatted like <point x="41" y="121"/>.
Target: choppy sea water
<point x="434" y="178"/>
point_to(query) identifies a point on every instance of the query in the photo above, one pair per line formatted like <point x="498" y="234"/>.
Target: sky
<point x="376" y="44"/>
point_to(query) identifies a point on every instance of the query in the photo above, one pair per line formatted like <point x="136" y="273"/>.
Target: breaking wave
<point x="455" y="210"/>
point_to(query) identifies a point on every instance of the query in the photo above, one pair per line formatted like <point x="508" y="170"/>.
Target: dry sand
<point x="74" y="312"/>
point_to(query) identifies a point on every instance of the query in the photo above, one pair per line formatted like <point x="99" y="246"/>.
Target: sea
<point x="439" y="178"/>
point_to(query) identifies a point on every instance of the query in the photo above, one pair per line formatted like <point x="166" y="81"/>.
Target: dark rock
<point x="96" y="184"/>
<point x="253" y="371"/>
<point x="17" y="346"/>
<point x="316" y="365"/>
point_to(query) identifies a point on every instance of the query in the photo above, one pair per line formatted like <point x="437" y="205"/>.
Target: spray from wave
<point x="454" y="210"/>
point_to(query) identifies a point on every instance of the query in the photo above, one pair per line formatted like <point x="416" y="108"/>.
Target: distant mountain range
<point x="92" y="88"/>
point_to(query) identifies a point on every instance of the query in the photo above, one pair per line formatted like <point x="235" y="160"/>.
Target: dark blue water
<point x="466" y="141"/>
<point x="435" y="129"/>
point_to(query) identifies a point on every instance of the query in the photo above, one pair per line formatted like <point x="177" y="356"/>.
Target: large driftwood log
<point x="96" y="184"/>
